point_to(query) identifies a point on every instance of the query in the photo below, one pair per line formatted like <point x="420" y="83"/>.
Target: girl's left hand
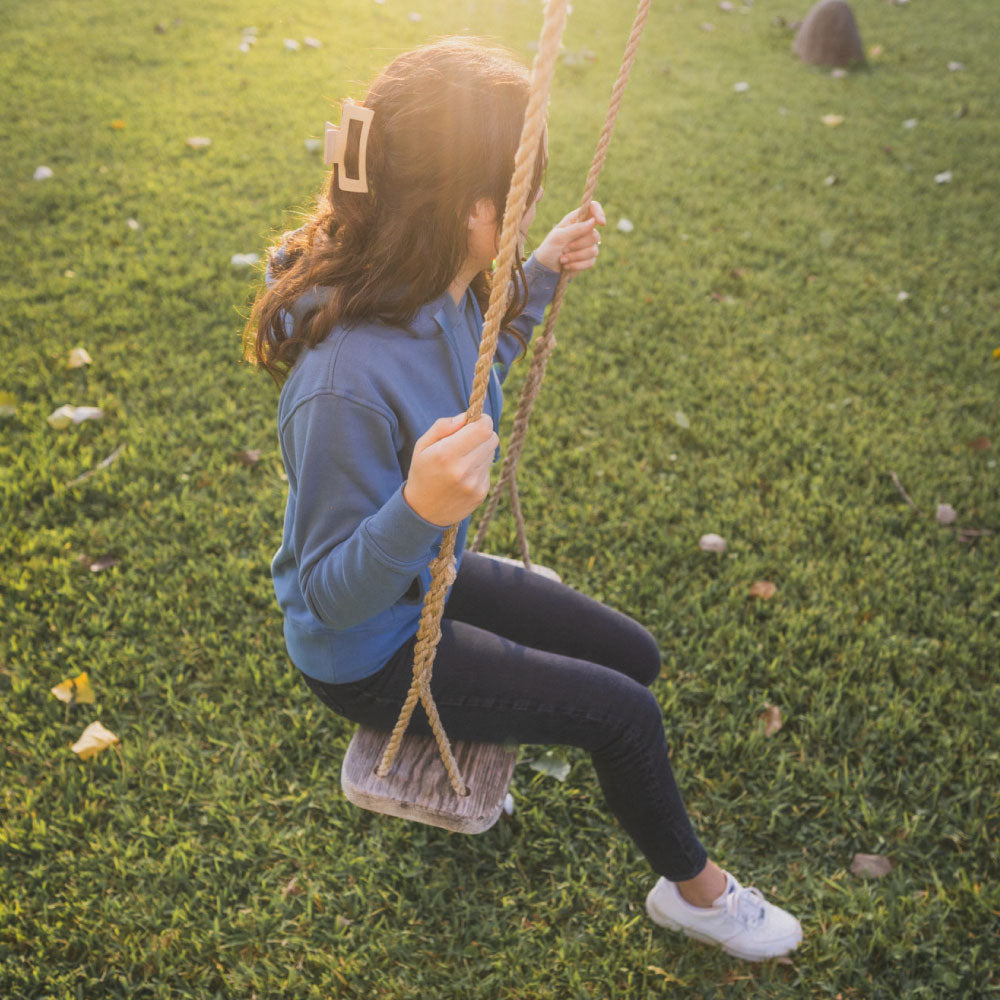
<point x="573" y="246"/>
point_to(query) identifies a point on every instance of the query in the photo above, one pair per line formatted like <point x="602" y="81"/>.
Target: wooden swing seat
<point x="417" y="786"/>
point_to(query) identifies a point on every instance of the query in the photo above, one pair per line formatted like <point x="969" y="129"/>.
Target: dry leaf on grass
<point x="75" y="690"/>
<point x="78" y="357"/>
<point x="102" y="563"/>
<point x="872" y="865"/>
<point x="61" y="419"/>
<point x="249" y="458"/>
<point x="771" y="717"/>
<point x="946" y="514"/>
<point x="980" y="444"/>
<point x="94" y="739"/>
<point x="763" y="589"/>
<point x="712" y="543"/>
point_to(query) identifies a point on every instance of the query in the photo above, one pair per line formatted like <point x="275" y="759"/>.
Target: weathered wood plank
<point x="417" y="786"/>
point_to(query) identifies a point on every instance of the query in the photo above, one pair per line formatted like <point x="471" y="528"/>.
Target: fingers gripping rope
<point x="443" y="567"/>
<point x="547" y="342"/>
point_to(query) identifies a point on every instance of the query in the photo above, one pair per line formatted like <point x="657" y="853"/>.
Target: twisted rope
<point x="547" y="342"/>
<point x="443" y="567"/>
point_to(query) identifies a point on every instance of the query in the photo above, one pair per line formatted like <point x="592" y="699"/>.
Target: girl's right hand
<point x="450" y="469"/>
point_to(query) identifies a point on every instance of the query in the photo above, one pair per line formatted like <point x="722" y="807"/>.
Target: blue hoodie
<point x="351" y="572"/>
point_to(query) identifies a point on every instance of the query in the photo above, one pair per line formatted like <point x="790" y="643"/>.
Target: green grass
<point x="752" y="296"/>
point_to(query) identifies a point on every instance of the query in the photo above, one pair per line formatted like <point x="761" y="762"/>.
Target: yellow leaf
<point x="118" y="124"/>
<point x="75" y="690"/>
<point x="78" y="357"/>
<point x="832" y="120"/>
<point x="95" y="738"/>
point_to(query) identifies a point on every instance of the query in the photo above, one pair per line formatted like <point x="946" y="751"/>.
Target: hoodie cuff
<point x="400" y="537"/>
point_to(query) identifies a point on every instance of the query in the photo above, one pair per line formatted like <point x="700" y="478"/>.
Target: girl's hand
<point x="450" y="469"/>
<point x="572" y="246"/>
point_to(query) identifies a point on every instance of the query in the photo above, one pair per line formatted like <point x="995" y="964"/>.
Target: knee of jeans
<point x="648" y="661"/>
<point x="647" y="715"/>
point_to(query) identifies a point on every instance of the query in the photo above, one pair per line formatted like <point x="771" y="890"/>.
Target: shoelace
<point x="746" y="906"/>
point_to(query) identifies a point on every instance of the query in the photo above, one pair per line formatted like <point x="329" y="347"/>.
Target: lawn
<point x="800" y="312"/>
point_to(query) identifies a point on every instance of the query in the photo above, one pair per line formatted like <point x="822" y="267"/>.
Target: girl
<point x="371" y="319"/>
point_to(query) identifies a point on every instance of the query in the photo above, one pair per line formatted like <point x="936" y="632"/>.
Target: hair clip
<point x="336" y="145"/>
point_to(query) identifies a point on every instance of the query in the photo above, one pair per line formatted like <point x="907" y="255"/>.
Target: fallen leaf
<point x="249" y="458"/>
<point x="980" y="444"/>
<point x="742" y="87"/>
<point x="508" y="804"/>
<point x="66" y="415"/>
<point x="118" y="124"/>
<point x="78" y="357"/>
<point x="839" y="73"/>
<point x="910" y="123"/>
<point x="946" y="514"/>
<point x="831" y="180"/>
<point x="133" y="224"/>
<point x="996" y="357"/>
<point x="242" y="260"/>
<point x="681" y="419"/>
<point x="414" y="18"/>
<point x="727" y="6"/>
<point x="75" y="690"/>
<point x="872" y="865"/>
<point x="902" y="296"/>
<point x="707" y="26"/>
<point x="244" y="46"/>
<point x="956" y="67"/>
<point x="198" y="142"/>
<point x="960" y="112"/>
<point x="292" y="45"/>
<point x="93" y="740"/>
<point x="102" y="563"/>
<point x="771" y="717"/>
<point x="552" y="764"/>
<point x="943" y="178"/>
<point x="832" y="120"/>
<point x="625" y="226"/>
<point x="8" y="404"/>
<point x="312" y="43"/>
<point x="712" y="543"/>
<point x="43" y="173"/>
<point x="313" y="145"/>
<point x="763" y="589"/>
<point x="292" y="888"/>
<point x="875" y="51"/>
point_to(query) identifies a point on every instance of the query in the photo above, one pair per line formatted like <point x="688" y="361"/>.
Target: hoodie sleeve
<point x="357" y="543"/>
<point x="541" y="287"/>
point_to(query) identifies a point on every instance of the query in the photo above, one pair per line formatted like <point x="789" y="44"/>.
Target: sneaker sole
<point x="790" y="943"/>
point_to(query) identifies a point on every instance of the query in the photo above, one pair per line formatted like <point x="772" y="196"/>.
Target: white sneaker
<point x="740" y="921"/>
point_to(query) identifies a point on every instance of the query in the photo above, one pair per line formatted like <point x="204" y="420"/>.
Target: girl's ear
<point x="482" y="213"/>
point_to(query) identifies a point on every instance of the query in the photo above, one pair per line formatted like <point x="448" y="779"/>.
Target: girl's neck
<point x="463" y="279"/>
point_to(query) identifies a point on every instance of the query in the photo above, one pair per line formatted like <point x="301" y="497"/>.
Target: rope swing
<point x="443" y="566"/>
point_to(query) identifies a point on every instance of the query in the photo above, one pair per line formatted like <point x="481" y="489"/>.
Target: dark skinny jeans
<point x="524" y="659"/>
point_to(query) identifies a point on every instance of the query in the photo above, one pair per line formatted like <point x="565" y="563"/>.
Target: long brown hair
<point x="446" y="126"/>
